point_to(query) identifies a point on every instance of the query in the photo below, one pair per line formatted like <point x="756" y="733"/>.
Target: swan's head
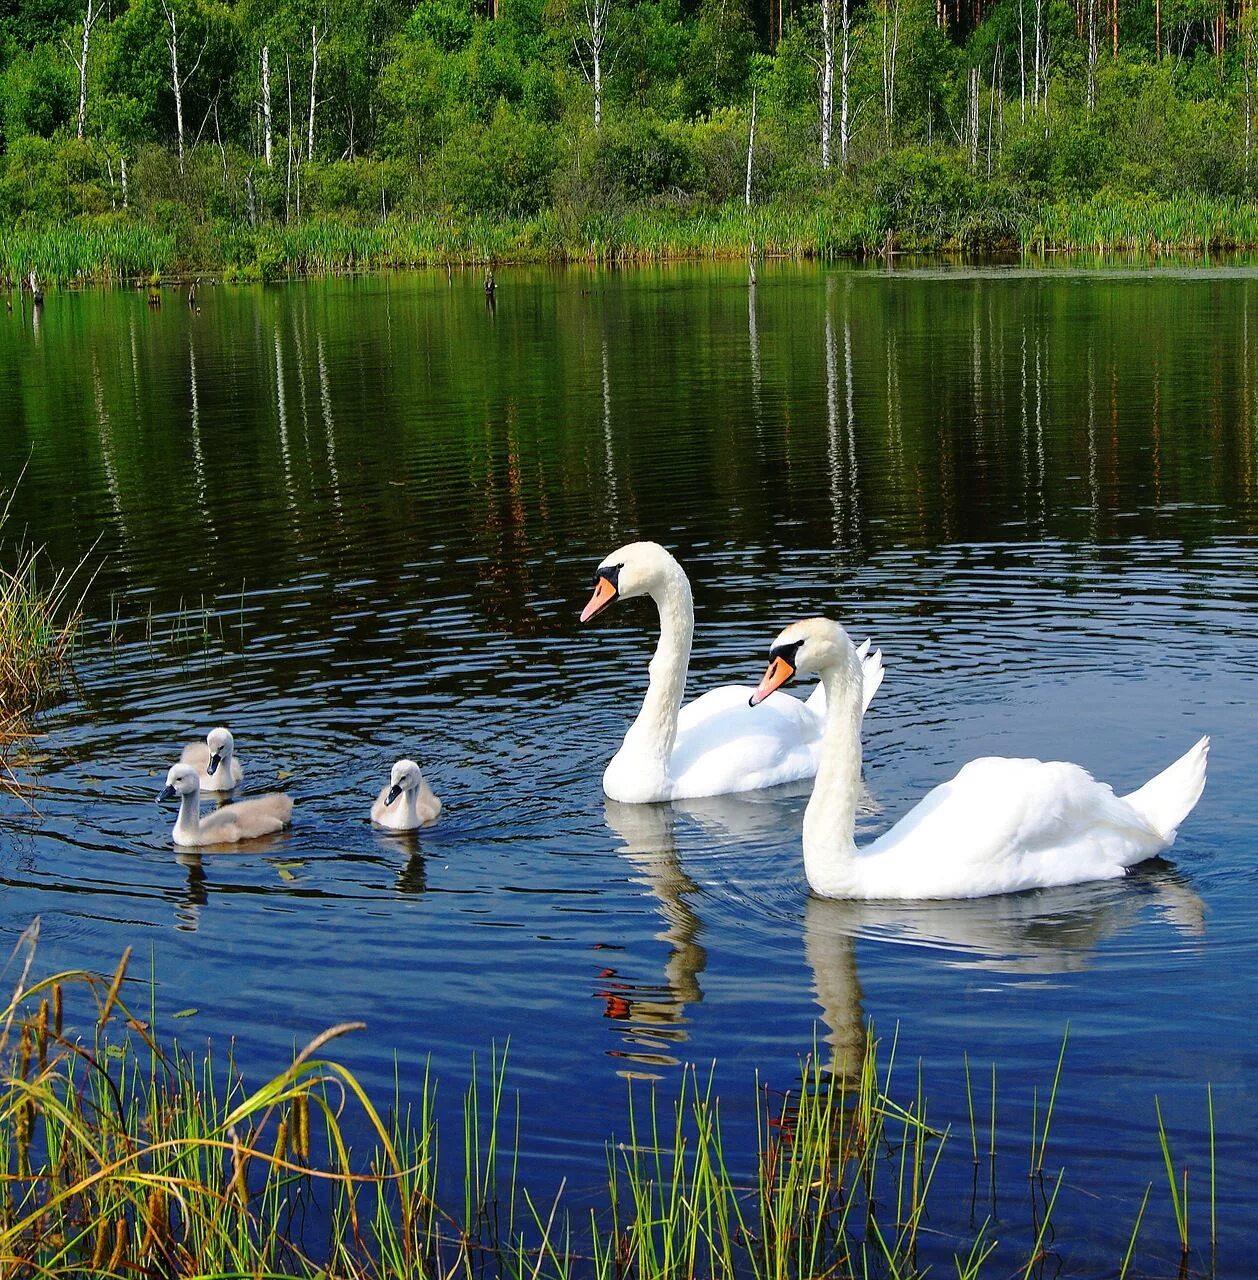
<point x="405" y="777"/>
<point x="636" y="569"/>
<point x="812" y="645"/>
<point x="221" y="745"/>
<point x="182" y="780"/>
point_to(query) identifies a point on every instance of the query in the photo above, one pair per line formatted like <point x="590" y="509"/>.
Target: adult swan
<point x="999" y="826"/>
<point x="715" y="744"/>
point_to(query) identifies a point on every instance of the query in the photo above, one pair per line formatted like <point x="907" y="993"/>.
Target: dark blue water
<point x="357" y="520"/>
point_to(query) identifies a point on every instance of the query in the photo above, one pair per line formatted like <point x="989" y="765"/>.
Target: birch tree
<point x="890" y="51"/>
<point x="827" y="78"/>
<point x="316" y="39"/>
<point x="90" y="15"/>
<point x="590" y="43"/>
<point x="267" y="130"/>
<point x="847" y="52"/>
<point x="178" y="82"/>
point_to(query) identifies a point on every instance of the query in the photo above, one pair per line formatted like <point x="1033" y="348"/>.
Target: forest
<point x="260" y="137"/>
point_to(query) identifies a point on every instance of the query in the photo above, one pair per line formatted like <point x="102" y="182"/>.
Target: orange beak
<point x="779" y="672"/>
<point x="604" y="593"/>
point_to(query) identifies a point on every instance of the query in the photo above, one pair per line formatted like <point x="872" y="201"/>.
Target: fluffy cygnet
<point x="407" y="802"/>
<point x="240" y="821"/>
<point x="215" y="761"/>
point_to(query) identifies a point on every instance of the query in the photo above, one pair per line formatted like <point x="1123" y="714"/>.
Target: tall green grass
<point x="97" y="251"/>
<point x="122" y="1154"/>
<point x="1128" y="224"/>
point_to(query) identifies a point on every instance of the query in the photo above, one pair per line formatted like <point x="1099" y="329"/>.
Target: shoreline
<point x="129" y="252"/>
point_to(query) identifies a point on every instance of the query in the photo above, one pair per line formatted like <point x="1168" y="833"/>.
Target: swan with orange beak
<point x="999" y="826"/>
<point x="716" y="744"/>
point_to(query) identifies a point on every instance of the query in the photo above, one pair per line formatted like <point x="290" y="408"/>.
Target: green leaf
<point x="185" y="1013"/>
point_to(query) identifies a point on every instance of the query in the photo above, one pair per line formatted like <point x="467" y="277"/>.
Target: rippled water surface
<point x="357" y="520"/>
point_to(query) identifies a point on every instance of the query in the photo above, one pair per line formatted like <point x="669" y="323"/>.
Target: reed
<point x="89" y="251"/>
<point x="39" y="619"/>
<point x="123" y="1154"/>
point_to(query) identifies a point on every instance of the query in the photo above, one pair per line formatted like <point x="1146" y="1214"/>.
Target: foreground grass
<point x="122" y="1155"/>
<point x="117" y="249"/>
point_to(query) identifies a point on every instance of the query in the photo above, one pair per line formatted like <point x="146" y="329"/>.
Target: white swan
<point x="999" y="826"/>
<point x="240" y="821"/>
<point x="214" y="760"/>
<point x="419" y="806"/>
<point x="714" y="745"/>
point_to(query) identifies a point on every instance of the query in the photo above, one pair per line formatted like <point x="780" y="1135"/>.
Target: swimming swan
<point x="999" y="826"/>
<point x="215" y="761"/>
<point x="714" y="745"/>
<point x="240" y="821"/>
<point x="419" y="806"/>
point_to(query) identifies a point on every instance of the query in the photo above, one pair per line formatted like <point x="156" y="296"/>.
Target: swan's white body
<point x="999" y="826"/>
<point x="244" y="820"/>
<point x="407" y="802"/>
<point x="716" y="744"/>
<point x="227" y="773"/>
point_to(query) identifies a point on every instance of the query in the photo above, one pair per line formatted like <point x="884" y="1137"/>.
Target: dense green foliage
<point x="216" y="123"/>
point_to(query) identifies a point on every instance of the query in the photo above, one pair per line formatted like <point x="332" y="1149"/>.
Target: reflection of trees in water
<point x="941" y="408"/>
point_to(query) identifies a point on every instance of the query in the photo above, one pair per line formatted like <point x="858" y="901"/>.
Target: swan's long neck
<point x="654" y="732"/>
<point x="188" y="823"/>
<point x="830" y="819"/>
<point x="410" y="805"/>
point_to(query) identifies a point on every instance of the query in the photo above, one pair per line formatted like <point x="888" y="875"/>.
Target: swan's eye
<point x="787" y="652"/>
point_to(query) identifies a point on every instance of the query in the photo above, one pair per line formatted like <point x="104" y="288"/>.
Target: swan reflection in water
<point x="1046" y="931"/>
<point x="400" y="851"/>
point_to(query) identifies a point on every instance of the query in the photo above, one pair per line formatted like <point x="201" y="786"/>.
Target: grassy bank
<point x="121" y="1154"/>
<point x="114" y="249"/>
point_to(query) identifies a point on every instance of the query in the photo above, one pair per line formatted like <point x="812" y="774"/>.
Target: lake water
<point x="357" y="519"/>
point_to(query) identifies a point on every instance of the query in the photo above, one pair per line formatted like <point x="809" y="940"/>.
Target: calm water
<point x="357" y="520"/>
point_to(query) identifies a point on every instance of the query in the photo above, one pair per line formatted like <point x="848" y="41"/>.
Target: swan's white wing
<point x="1004" y="825"/>
<point x="723" y="745"/>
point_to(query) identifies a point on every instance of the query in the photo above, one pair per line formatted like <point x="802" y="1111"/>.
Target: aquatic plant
<point x="39" y="618"/>
<point x="90" y="250"/>
<point x="122" y="1153"/>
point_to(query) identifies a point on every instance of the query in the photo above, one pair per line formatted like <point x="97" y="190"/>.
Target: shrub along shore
<point x="122" y="250"/>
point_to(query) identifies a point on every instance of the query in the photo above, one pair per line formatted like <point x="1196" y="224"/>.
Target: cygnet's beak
<point x="168" y="793"/>
<point x="215" y="760"/>
<point x="605" y="591"/>
<point x="394" y="792"/>
<point x="779" y="672"/>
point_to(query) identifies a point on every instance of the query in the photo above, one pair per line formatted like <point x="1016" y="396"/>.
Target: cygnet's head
<point x="182" y="780"/>
<point x="405" y="777"/>
<point x="811" y="645"/>
<point x="221" y="745"/>
<point x="635" y="569"/>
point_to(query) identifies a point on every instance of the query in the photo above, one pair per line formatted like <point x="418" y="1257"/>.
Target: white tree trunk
<point x="1094" y="53"/>
<point x="122" y="170"/>
<point x="314" y="74"/>
<point x="751" y="143"/>
<point x="594" y="38"/>
<point x="266" y="104"/>
<point x="827" y="79"/>
<point x="1039" y="13"/>
<point x="172" y="43"/>
<point x="890" y="50"/>
<point x="845" y="81"/>
<point x="973" y="127"/>
<point x="1022" y="63"/>
<point x="89" y="21"/>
